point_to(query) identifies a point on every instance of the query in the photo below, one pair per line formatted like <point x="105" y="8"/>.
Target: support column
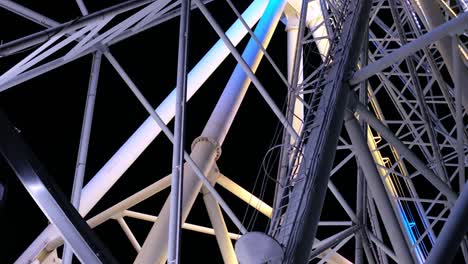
<point x="377" y="189"/>
<point x="458" y="87"/>
<point x="295" y="108"/>
<point x="458" y="79"/>
<point x="361" y="241"/>
<point x="431" y="13"/>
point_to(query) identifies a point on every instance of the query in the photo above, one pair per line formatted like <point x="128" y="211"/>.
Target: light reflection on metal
<point x="391" y="98"/>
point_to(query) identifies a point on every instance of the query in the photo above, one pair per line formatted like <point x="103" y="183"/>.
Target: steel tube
<point x="460" y="127"/>
<point x="245" y="196"/>
<point x="179" y="138"/>
<point x="130" y="201"/>
<point x="82" y="7"/>
<point x="147" y="132"/>
<point x="129" y="234"/>
<point x="382" y="246"/>
<point x="51" y="202"/>
<point x="453" y="232"/>
<point x="327" y="243"/>
<point x="187" y="226"/>
<point x="377" y="188"/>
<point x="28" y="13"/>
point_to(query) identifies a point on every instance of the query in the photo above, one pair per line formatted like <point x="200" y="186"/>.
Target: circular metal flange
<point x="209" y="140"/>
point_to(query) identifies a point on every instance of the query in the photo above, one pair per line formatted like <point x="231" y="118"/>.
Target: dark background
<point x="49" y="110"/>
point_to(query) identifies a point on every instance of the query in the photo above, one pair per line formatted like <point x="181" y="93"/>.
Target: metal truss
<point x="390" y="72"/>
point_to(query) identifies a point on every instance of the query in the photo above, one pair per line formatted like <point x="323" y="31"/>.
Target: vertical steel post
<point x="294" y="109"/>
<point x="377" y="189"/>
<point x="431" y="14"/>
<point x="179" y="138"/>
<point x="458" y="81"/>
<point x="84" y="143"/>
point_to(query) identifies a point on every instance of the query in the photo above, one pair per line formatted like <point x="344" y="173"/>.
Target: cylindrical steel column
<point x="155" y="247"/>
<point x="219" y="226"/>
<point x="377" y="189"/>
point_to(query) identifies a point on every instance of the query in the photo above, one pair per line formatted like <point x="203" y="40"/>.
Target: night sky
<point x="48" y="110"/>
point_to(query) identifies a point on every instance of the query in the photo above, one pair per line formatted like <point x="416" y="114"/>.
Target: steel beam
<point x="215" y="131"/>
<point x="175" y="222"/>
<point x="306" y="200"/>
<point x="403" y="150"/>
<point x="53" y="204"/>
<point x="453" y="232"/>
<point x="244" y="195"/>
<point x="148" y="131"/>
<point x="327" y="243"/>
<point x="28" y="13"/>
<point x="377" y="188"/>
<point x="456" y="25"/>
<point x="460" y="127"/>
<point x="68" y="27"/>
<point x="84" y="143"/>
